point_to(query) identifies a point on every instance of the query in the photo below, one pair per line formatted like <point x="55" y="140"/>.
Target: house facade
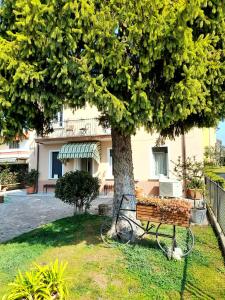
<point x="18" y="152"/>
<point x="78" y="142"/>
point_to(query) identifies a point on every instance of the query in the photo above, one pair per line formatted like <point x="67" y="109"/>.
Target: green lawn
<point x="123" y="272"/>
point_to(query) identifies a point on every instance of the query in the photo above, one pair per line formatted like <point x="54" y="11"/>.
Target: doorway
<point x="86" y="165"/>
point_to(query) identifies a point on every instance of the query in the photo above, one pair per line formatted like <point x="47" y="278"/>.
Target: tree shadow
<point x="67" y="231"/>
<point x="71" y="231"/>
<point x="190" y="287"/>
<point x="149" y="243"/>
<point x="184" y="278"/>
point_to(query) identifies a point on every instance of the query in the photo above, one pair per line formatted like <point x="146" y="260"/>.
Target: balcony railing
<point x="81" y="127"/>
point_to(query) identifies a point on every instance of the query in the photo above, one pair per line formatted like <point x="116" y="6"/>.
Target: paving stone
<point x="23" y="213"/>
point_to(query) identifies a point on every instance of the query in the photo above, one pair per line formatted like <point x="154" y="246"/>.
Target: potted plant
<point x="195" y="188"/>
<point x="191" y="172"/>
<point x="195" y="191"/>
<point x="30" y="180"/>
<point x="198" y="212"/>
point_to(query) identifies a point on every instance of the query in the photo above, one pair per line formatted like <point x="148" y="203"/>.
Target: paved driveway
<point x="22" y="213"/>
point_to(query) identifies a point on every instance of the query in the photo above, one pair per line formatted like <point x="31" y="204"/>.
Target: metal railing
<point x="215" y="196"/>
<point x="81" y="127"/>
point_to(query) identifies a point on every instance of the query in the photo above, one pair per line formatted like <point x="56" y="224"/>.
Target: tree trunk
<point x="123" y="174"/>
<point x="122" y="166"/>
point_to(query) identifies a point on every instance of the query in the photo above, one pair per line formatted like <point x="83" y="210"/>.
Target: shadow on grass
<point x="190" y="287"/>
<point x="67" y="231"/>
<point x="184" y="278"/>
<point x="73" y="230"/>
<point x="147" y="243"/>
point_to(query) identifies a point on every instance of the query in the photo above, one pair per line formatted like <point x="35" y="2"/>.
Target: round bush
<point x="78" y="188"/>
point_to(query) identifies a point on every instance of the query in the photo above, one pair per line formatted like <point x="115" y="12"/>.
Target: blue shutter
<point x="56" y="165"/>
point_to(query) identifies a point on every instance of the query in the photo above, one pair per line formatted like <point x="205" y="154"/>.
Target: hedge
<point x="216" y="178"/>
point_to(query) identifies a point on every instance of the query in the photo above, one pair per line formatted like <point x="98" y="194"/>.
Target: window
<point x="160" y="160"/>
<point x="109" y="170"/>
<point x="14" y="145"/>
<point x="58" y="119"/>
<point x="55" y="165"/>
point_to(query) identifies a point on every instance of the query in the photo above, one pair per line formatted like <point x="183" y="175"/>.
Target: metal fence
<point x="215" y="196"/>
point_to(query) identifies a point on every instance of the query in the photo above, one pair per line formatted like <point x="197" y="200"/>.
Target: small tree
<point x="194" y="172"/>
<point x="193" y="167"/>
<point x="212" y="155"/>
<point x="78" y="188"/>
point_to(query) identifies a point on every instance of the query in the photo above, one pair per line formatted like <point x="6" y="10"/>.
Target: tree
<point x="78" y="188"/>
<point x="157" y="64"/>
<point x="214" y="155"/>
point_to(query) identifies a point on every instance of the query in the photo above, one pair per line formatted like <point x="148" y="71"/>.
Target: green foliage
<point x="20" y="169"/>
<point x="7" y="177"/>
<point x="215" y="177"/>
<point x="192" y="167"/>
<point x="190" y="170"/>
<point x="78" y="188"/>
<point x="44" y="282"/>
<point x="31" y="177"/>
<point x="195" y="183"/>
<point x="213" y="155"/>
<point x="157" y="64"/>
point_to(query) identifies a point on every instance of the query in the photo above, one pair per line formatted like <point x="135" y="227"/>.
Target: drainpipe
<point x="38" y="154"/>
<point x="183" y="150"/>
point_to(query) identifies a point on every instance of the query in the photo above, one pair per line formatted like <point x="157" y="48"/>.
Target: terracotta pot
<point x="195" y="194"/>
<point x="139" y="192"/>
<point x="30" y="189"/>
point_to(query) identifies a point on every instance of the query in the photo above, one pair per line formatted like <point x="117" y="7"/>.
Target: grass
<point x="124" y="272"/>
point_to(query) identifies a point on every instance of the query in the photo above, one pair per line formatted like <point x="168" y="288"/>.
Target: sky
<point x="220" y="133"/>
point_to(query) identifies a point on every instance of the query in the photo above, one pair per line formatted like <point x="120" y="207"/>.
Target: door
<point x="56" y="171"/>
<point x="86" y="165"/>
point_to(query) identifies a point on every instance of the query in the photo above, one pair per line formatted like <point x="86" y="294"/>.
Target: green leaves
<point x="158" y="64"/>
<point x="44" y="282"/>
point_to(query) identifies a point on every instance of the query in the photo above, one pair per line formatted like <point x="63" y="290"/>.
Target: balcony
<point x="14" y="156"/>
<point x="77" y="128"/>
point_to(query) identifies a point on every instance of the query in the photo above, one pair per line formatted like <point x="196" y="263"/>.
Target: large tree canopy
<point x="152" y="63"/>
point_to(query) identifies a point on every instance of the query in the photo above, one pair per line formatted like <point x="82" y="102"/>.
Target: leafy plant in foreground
<point x="42" y="283"/>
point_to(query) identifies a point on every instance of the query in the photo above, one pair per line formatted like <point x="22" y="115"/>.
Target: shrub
<point x="216" y="178"/>
<point x="31" y="177"/>
<point x="7" y="177"/>
<point x="44" y="282"/>
<point x="78" y="188"/>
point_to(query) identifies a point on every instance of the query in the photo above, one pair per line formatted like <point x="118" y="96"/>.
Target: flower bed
<point x="166" y="211"/>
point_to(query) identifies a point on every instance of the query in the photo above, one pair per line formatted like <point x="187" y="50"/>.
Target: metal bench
<point x="47" y="186"/>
